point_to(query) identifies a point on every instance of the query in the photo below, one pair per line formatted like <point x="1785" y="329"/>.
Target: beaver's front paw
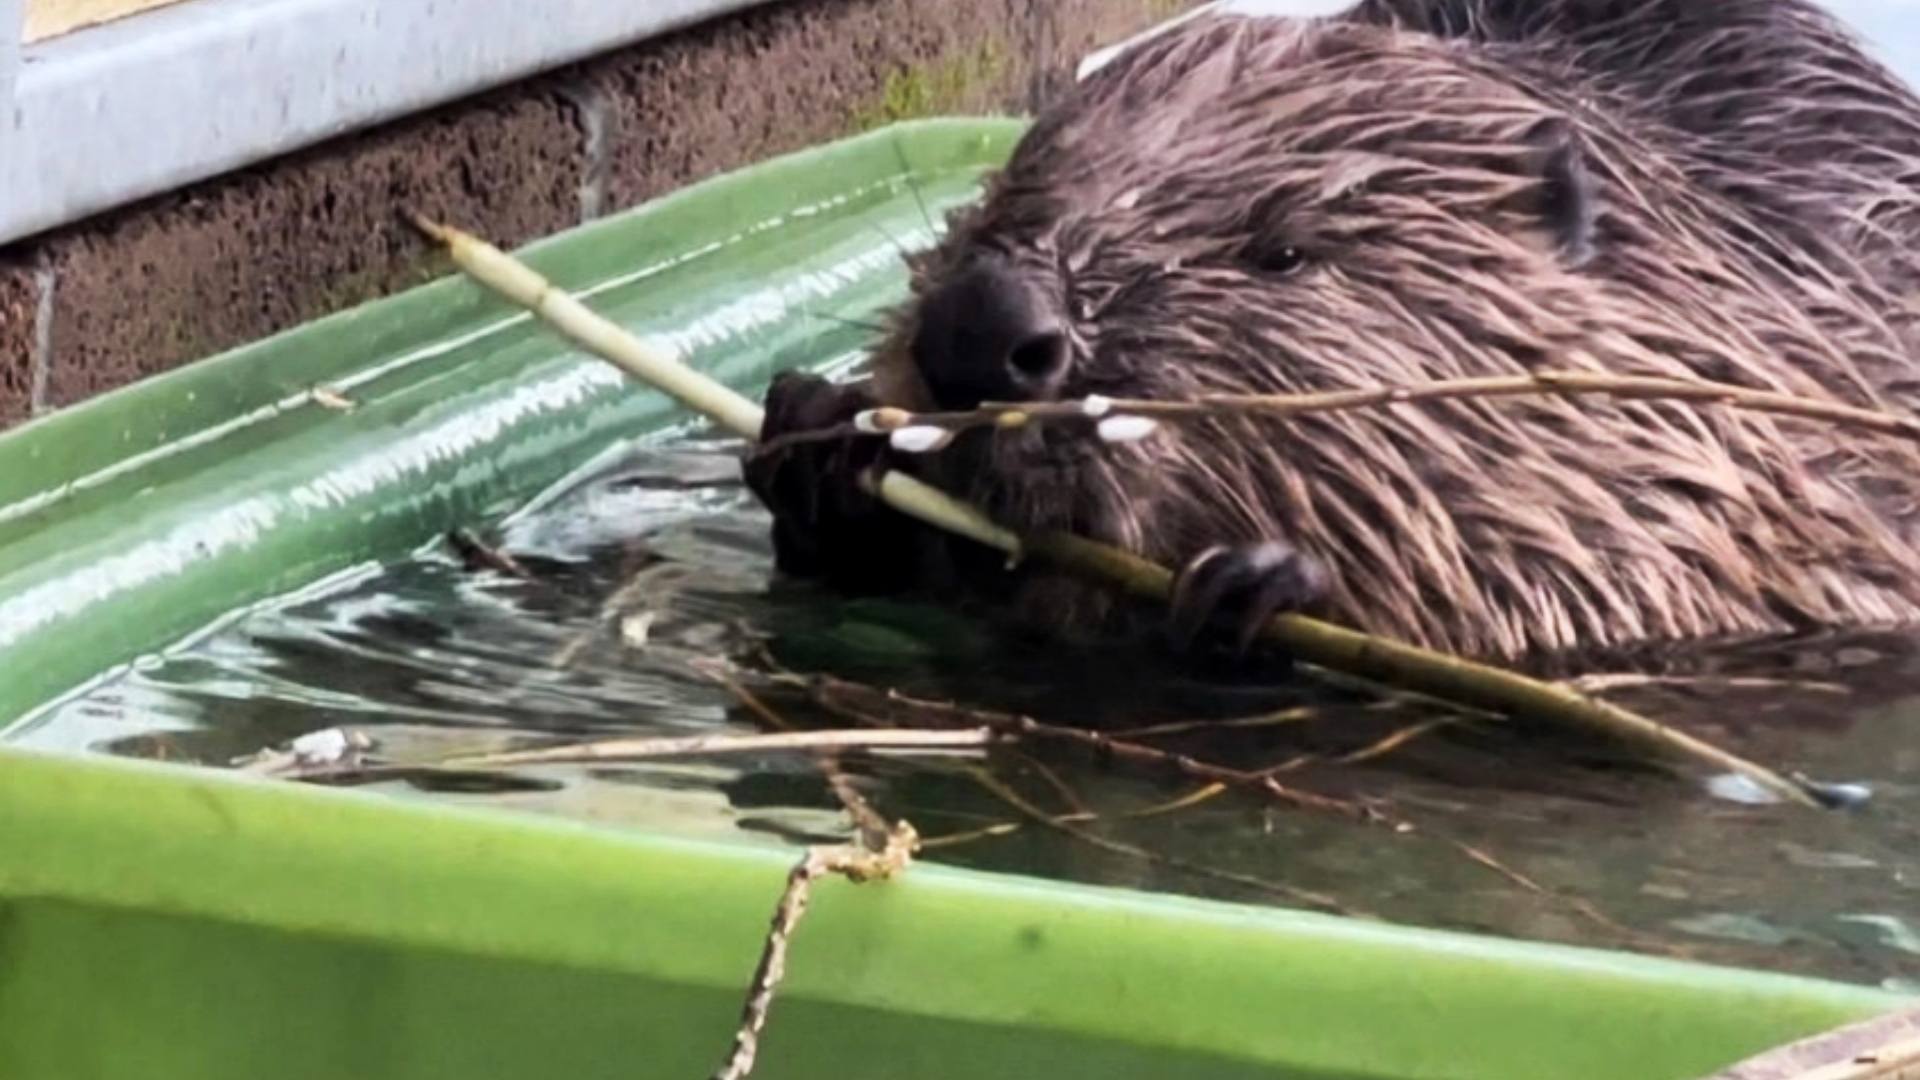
<point x="808" y="474"/>
<point x="1233" y="590"/>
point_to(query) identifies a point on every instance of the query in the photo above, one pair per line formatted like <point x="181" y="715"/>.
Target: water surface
<point x="650" y="574"/>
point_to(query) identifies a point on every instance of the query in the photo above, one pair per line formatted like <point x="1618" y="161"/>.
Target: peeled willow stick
<point x="513" y="280"/>
<point x="1436" y="674"/>
<point x="350" y="769"/>
<point x="1410" y="667"/>
<point x="673" y="746"/>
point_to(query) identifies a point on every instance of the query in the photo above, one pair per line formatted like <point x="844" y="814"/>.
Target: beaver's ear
<point x="1568" y="203"/>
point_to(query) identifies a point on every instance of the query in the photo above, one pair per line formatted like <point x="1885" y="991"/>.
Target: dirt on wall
<point x="19" y="308"/>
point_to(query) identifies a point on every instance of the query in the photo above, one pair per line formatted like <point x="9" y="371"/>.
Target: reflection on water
<point x="644" y="575"/>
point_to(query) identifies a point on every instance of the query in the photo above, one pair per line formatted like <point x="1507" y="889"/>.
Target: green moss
<point x="181" y="337"/>
<point x="964" y="83"/>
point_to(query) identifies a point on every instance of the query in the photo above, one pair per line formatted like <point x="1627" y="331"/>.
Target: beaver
<point x="1410" y="191"/>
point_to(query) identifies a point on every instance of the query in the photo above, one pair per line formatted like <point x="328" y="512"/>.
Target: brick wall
<point x="147" y="288"/>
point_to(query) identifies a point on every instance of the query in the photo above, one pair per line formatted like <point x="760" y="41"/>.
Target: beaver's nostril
<point x="1038" y="360"/>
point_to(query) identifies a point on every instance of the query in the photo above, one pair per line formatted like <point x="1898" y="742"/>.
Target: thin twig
<point x="1195" y="769"/>
<point x="1385" y="745"/>
<point x="969" y="836"/>
<point x="1535" y="384"/>
<point x="869" y="825"/>
<point x="1058" y="783"/>
<point x="841" y="695"/>
<point x="857" y="864"/>
<point x="1606" y="682"/>
<point x="476" y="552"/>
<point x="1218" y="778"/>
<point x="652" y="749"/>
<point x="1296" y="715"/>
<point x="1394" y="741"/>
<point x="771" y="968"/>
<point x="705" y="745"/>
<point x="1304" y="897"/>
<point x="1579" y="904"/>
<point x="609" y="612"/>
<point x="881" y="850"/>
<point x="1210" y="790"/>
<point x="1308" y="640"/>
<point x="1003" y="828"/>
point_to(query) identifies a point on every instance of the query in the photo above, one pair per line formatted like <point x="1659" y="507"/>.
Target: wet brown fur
<point x="1757" y="185"/>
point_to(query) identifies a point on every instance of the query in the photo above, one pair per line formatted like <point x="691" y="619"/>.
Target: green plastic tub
<point x="161" y="921"/>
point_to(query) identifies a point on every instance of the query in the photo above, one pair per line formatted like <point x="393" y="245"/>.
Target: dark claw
<point x="1238" y="588"/>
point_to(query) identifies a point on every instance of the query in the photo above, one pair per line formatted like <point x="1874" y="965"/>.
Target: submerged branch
<point x="861" y="700"/>
<point x="869" y="826"/>
<point x="1310" y="640"/>
<point x="1067" y="826"/>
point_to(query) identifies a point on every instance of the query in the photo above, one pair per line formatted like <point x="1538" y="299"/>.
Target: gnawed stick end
<point x="431" y="229"/>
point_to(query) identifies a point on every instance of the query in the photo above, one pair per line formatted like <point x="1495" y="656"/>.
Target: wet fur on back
<point x="1459" y="188"/>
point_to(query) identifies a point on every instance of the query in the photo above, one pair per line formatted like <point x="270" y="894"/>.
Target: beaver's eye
<point x="1279" y="260"/>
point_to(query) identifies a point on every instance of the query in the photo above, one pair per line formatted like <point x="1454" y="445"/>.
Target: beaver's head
<point x="1256" y="205"/>
<point x="1269" y="206"/>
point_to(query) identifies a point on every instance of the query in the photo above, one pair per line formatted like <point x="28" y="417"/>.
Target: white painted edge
<point x="13" y="28"/>
<point x="111" y="114"/>
<point x="115" y="113"/>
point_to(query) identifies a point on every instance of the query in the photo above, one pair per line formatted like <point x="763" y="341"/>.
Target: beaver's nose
<point x="989" y="335"/>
